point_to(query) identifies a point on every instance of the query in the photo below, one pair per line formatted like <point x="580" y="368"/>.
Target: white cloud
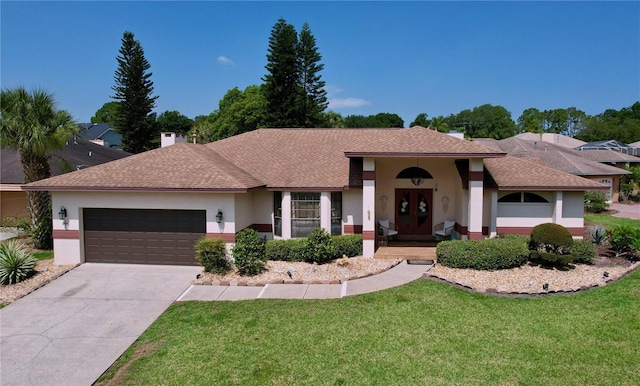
<point x="226" y="61"/>
<point x="337" y="103"/>
<point x="333" y="90"/>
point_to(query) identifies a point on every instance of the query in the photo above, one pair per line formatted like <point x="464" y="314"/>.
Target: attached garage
<point x="142" y="236"/>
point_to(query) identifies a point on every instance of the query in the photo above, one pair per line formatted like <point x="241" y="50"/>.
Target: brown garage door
<point x="142" y="236"/>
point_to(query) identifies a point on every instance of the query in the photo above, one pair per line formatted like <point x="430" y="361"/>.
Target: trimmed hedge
<point x="551" y="243"/>
<point x="249" y="253"/>
<point x="294" y="249"/>
<point x="212" y="255"/>
<point x="487" y="254"/>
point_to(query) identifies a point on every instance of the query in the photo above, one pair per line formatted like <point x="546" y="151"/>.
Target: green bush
<point x="319" y="247"/>
<point x="212" y="255"/>
<point x="21" y="223"/>
<point x="347" y="245"/>
<point x="16" y="264"/>
<point x="584" y="251"/>
<point x="625" y="240"/>
<point x="285" y="250"/>
<point x="487" y="254"/>
<point x="551" y="243"/>
<point x="595" y="201"/>
<point x="249" y="252"/>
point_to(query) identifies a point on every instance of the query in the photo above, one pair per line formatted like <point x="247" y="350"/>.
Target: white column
<point x="368" y="207"/>
<point x="286" y="215"/>
<point x="493" y="229"/>
<point x="476" y="191"/>
<point x="325" y="211"/>
<point x="557" y="208"/>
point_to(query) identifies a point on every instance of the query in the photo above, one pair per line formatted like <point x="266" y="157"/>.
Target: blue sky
<point x="397" y="57"/>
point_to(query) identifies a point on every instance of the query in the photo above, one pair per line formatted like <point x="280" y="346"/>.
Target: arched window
<point x="415" y="174"/>
<point x="520" y="197"/>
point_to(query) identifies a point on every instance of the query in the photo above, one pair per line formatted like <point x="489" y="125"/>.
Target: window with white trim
<point x="305" y="213"/>
<point x="277" y="213"/>
<point x="522" y="197"/>
<point x="336" y="213"/>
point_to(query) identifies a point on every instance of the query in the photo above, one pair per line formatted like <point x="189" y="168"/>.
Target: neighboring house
<point x="554" y="138"/>
<point x="611" y="144"/>
<point x="152" y="207"/>
<point x="561" y="158"/>
<point x="636" y="145"/>
<point x="75" y="155"/>
<point x="100" y="133"/>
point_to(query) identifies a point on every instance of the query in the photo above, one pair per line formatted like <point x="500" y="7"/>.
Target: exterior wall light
<point x="63" y="213"/>
<point x="219" y="216"/>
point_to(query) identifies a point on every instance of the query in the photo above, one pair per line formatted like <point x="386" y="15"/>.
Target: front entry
<point x="413" y="211"/>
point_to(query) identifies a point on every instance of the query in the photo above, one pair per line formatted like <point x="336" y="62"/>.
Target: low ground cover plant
<point x="212" y="255"/>
<point x="487" y="254"/>
<point x="584" y="251"/>
<point x="16" y="263"/>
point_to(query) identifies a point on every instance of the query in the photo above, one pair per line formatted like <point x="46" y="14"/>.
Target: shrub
<point x="347" y="245"/>
<point x="21" y="223"/>
<point x="625" y="240"/>
<point x="551" y="243"/>
<point x="212" y="255"/>
<point x="584" y="251"/>
<point x="285" y="250"/>
<point x="487" y="254"/>
<point x="249" y="252"/>
<point x="319" y="247"/>
<point x="595" y="201"/>
<point x="598" y="235"/>
<point x="16" y="264"/>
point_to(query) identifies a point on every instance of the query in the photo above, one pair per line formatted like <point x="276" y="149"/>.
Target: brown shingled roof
<point x="511" y="173"/>
<point x="608" y="156"/>
<point x="181" y="167"/>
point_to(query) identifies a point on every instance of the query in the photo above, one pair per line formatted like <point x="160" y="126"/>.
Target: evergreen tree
<point x="133" y="90"/>
<point x="313" y="98"/>
<point x="282" y="86"/>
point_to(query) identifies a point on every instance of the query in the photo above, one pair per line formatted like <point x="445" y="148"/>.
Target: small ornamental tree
<point x="249" y="252"/>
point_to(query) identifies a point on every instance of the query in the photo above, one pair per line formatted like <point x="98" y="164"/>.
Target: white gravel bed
<point x="276" y="272"/>
<point x="530" y="279"/>
<point x="46" y="271"/>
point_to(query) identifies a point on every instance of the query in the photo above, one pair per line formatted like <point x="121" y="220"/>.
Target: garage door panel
<point x="142" y="236"/>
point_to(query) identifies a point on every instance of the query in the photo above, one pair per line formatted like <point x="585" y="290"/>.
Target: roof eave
<point x="554" y="188"/>
<point x="131" y="189"/>
<point x="353" y="154"/>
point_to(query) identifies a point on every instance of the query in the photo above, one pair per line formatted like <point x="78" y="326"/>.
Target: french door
<point x="413" y="211"/>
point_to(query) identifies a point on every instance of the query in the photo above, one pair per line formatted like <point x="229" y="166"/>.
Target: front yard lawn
<point x="421" y="333"/>
<point x="607" y="220"/>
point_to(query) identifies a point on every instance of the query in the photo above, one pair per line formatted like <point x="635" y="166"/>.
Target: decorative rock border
<point x="255" y="283"/>
<point x="532" y="293"/>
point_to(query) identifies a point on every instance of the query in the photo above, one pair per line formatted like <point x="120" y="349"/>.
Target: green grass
<point x="609" y="221"/>
<point x="418" y="334"/>
<point x="44" y="255"/>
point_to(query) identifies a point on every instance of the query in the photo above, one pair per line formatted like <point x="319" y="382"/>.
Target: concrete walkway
<point x="71" y="330"/>
<point x="402" y="273"/>
<point x="626" y="211"/>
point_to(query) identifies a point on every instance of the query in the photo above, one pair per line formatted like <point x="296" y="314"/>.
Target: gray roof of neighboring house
<point x="553" y="156"/>
<point x="91" y="131"/>
<point x="75" y="155"/>
<point x="608" y="156"/>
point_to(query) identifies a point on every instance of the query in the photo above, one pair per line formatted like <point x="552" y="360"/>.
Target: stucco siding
<point x="13" y="204"/>
<point x="352" y="208"/>
<point x="573" y="210"/>
<point x="74" y="202"/>
<point x="243" y="210"/>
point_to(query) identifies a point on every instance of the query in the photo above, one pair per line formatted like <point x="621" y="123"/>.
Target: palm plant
<point x="31" y="125"/>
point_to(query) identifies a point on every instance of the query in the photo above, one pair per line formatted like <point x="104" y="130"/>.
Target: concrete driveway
<point x="71" y="330"/>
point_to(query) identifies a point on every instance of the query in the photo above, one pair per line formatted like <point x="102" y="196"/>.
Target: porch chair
<point x="386" y="231"/>
<point x="443" y="230"/>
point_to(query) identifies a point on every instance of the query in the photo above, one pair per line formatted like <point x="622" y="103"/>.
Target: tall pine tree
<point x="133" y="90"/>
<point x="293" y="87"/>
<point x="313" y="97"/>
<point x="282" y="86"/>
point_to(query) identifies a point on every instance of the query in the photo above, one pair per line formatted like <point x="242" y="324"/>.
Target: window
<point x="523" y="197"/>
<point x="336" y="213"/>
<point x="305" y="213"/>
<point x="277" y="213"/>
